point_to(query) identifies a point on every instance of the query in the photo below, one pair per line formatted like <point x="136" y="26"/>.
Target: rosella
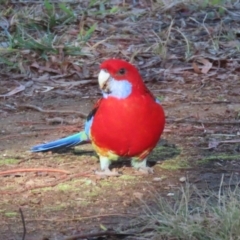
<point x="126" y="122"/>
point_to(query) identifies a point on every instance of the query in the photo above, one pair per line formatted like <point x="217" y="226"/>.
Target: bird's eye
<point x="121" y="71"/>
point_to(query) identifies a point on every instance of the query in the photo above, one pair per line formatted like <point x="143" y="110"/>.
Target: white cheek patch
<point x="119" y="89"/>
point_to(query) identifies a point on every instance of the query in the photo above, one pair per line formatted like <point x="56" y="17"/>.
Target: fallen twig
<point x="213" y="102"/>
<point x="184" y="120"/>
<point x="83" y="218"/>
<point x="98" y="234"/>
<point x="81" y="114"/>
<point x="24" y="225"/>
<point x="231" y="141"/>
<point x="61" y="121"/>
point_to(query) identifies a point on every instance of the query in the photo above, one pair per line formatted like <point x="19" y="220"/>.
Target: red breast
<point x="128" y="127"/>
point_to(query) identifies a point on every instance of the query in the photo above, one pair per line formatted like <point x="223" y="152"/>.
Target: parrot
<point x="127" y="121"/>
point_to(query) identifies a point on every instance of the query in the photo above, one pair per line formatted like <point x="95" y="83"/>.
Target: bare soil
<point x="56" y="205"/>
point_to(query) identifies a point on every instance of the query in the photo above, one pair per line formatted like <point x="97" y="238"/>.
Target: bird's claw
<point x="146" y="170"/>
<point x="107" y="173"/>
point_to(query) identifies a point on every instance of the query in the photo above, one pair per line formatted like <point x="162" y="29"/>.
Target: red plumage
<point x="129" y="127"/>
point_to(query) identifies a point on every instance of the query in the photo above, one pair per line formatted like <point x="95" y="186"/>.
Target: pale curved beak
<point x="103" y="77"/>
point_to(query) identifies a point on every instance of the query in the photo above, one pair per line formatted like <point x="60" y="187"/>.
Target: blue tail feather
<point x="62" y="143"/>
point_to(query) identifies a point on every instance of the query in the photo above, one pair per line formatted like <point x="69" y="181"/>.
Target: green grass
<point x="175" y="163"/>
<point x="11" y="214"/>
<point x="223" y="156"/>
<point x="42" y="31"/>
<point x="128" y="177"/>
<point x="164" y="151"/>
<point x="8" y="161"/>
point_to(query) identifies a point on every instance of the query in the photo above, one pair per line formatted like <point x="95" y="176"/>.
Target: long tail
<point x="66" y="142"/>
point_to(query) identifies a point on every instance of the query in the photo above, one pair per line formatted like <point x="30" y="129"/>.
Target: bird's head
<point x="118" y="78"/>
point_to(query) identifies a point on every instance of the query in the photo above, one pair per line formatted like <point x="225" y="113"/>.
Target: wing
<point x="90" y="117"/>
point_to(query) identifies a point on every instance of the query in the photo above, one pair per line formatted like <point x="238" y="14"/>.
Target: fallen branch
<point x="81" y="114"/>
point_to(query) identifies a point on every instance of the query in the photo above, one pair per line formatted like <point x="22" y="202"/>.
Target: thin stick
<point x="24" y="225"/>
<point x="84" y="218"/>
<point x="98" y="234"/>
<point x="184" y="120"/>
<point x="81" y="114"/>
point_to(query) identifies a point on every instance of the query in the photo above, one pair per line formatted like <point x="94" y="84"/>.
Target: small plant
<point x="195" y="215"/>
<point x="161" y="46"/>
<point x="54" y="17"/>
<point x="85" y="35"/>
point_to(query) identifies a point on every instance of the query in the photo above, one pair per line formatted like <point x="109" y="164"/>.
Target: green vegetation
<point x="215" y="157"/>
<point x="11" y="214"/>
<point x="8" y="161"/>
<point x="177" y="163"/>
<point x="55" y="33"/>
<point x="192" y="214"/>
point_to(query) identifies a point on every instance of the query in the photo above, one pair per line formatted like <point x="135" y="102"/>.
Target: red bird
<point x="126" y="122"/>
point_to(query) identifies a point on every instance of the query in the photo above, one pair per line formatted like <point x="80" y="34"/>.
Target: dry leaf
<point x="206" y="65"/>
<point x="18" y="89"/>
<point x="196" y="68"/>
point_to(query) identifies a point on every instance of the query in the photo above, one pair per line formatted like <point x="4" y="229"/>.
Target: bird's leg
<point x="105" y="171"/>
<point x="141" y="165"/>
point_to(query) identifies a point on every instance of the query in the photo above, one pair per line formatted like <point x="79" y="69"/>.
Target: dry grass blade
<point x="193" y="214"/>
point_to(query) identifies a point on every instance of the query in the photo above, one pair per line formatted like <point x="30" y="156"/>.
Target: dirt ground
<point x="189" y="58"/>
<point x="200" y="146"/>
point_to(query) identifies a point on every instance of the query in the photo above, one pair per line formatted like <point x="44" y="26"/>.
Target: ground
<point x="59" y="195"/>
<point x="60" y="204"/>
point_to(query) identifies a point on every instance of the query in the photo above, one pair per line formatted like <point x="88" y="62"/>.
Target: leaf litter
<point x="188" y="54"/>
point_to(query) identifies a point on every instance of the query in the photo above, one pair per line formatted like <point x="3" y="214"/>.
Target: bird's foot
<point x="146" y="170"/>
<point x="107" y="173"/>
<point x="141" y="166"/>
<point x="104" y="164"/>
